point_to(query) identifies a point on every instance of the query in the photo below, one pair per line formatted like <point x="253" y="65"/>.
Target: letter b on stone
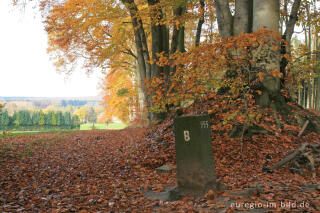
<point x="186" y="135"/>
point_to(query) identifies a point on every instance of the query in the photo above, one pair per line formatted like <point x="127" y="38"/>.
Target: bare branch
<point x="129" y="52"/>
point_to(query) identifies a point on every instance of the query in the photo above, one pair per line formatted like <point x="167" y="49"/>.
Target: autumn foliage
<point x="226" y="66"/>
<point x="121" y="96"/>
<point x="223" y="77"/>
<point x="171" y="67"/>
<point x="75" y="34"/>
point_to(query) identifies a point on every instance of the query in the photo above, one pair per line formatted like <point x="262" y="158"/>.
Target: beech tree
<point x="306" y="58"/>
<point x="250" y="16"/>
<point x="150" y="31"/>
<point x="104" y="37"/>
<point x="120" y="95"/>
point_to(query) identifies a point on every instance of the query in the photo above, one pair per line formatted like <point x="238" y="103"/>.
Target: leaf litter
<point x="109" y="171"/>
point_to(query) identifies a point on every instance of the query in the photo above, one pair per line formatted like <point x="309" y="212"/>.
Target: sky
<point x="25" y="68"/>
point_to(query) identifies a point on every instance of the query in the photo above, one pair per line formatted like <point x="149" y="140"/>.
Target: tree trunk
<point x="159" y="37"/>
<point x="224" y="18"/>
<point x="160" y="43"/>
<point x="317" y="98"/>
<point x="177" y="42"/>
<point x="233" y="26"/>
<point x="142" y="99"/>
<point x="243" y="13"/>
<point x="267" y="14"/>
<point x="140" y="40"/>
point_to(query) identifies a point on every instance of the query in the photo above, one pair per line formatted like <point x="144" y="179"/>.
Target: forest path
<point x="81" y="170"/>
<point x="111" y="171"/>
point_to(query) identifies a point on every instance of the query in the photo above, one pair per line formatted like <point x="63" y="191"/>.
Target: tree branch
<point x="287" y="36"/>
<point x="140" y="39"/>
<point x="292" y="21"/>
<point x="129" y="52"/>
<point x="200" y="23"/>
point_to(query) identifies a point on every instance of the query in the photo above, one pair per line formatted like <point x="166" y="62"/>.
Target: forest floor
<point x="110" y="170"/>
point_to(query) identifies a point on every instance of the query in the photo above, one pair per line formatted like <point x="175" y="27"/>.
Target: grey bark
<point x="140" y="39"/>
<point x="141" y="96"/>
<point x="160" y="44"/>
<point x="224" y="18"/>
<point x="267" y="14"/>
<point x="165" y="36"/>
<point x="317" y="98"/>
<point x="241" y="17"/>
<point x="143" y="58"/>
<point x="159" y="37"/>
<point x="241" y="21"/>
<point x="177" y="42"/>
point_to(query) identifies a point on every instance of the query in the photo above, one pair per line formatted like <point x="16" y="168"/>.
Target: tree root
<point x="283" y="113"/>
<point x="238" y="131"/>
<point x="300" y="157"/>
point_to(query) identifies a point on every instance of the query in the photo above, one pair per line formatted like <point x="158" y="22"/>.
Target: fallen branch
<point x="303" y="128"/>
<point x="315" y="148"/>
<point x="301" y="157"/>
<point x="310" y="158"/>
<point x="290" y="157"/>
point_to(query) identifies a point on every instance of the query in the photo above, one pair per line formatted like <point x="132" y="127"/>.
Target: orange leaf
<point x="261" y="74"/>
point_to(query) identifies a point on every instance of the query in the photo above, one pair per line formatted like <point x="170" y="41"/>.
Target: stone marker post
<point x="194" y="156"/>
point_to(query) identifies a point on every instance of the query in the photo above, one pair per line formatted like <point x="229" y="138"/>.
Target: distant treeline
<point x="65" y="103"/>
<point x="38" y="120"/>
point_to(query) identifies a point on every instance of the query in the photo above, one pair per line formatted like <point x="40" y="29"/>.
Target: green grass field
<point x="102" y="126"/>
<point x="32" y="132"/>
<point x="82" y="127"/>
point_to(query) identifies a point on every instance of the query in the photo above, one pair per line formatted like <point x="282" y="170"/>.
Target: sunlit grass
<point x="33" y="132"/>
<point x="89" y="126"/>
